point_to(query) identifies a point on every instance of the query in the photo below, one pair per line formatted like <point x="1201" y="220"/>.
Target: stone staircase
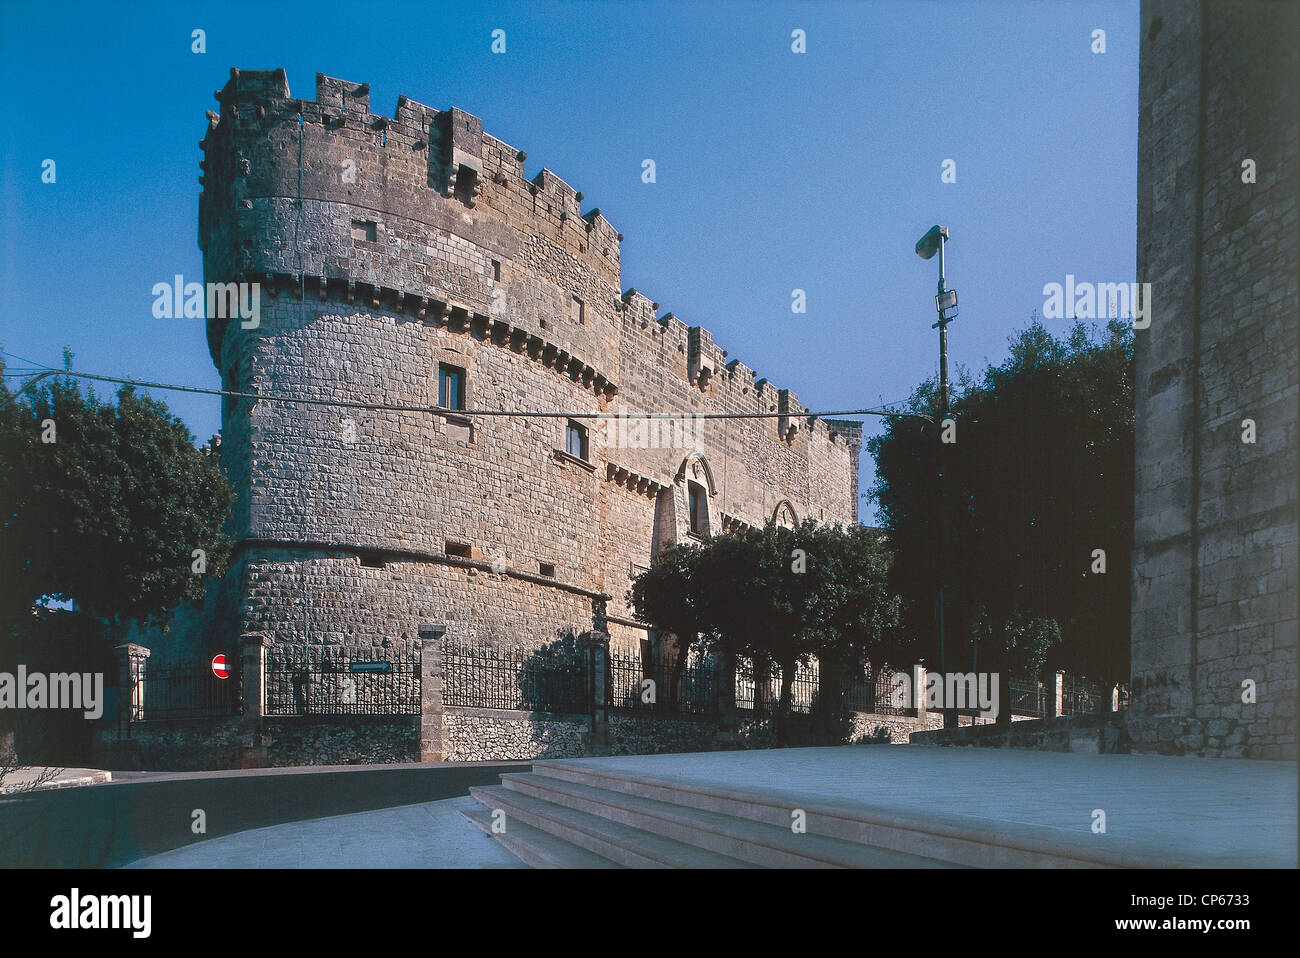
<point x="578" y="814"/>
<point x="567" y="814"/>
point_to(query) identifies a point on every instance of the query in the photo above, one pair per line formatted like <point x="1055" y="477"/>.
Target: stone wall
<point x="478" y="735"/>
<point x="1214" y="588"/>
<point x="197" y="745"/>
<point x="1094" y="733"/>
<point x="386" y="246"/>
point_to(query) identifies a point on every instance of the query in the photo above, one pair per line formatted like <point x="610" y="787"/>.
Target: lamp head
<point x="928" y="244"/>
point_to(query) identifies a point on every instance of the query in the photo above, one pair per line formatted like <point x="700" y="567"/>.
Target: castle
<point x="408" y="262"/>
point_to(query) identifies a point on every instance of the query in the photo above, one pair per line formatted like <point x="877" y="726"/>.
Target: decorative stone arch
<point x="784" y="515"/>
<point x="696" y="467"/>
<point x="695" y="471"/>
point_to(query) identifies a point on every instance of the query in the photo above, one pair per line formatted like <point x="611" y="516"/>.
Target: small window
<point x="371" y="560"/>
<point x="364" y="230"/>
<point x="496" y="271"/>
<point x="458" y="549"/>
<point x="577" y="310"/>
<point x="547" y="569"/>
<point x="699" y="508"/>
<point x="575" y="440"/>
<point x="451" y="387"/>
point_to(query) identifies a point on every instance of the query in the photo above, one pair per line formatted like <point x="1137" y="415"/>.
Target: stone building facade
<point x="1214" y="589"/>
<point x="406" y="261"/>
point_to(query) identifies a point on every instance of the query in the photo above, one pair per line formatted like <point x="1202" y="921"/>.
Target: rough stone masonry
<point x="1214" y="565"/>
<point x="406" y="260"/>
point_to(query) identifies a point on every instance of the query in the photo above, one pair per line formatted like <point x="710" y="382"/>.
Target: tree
<point x="1040" y="477"/>
<point x="107" y="514"/>
<point x="671" y="595"/>
<point x="776" y="595"/>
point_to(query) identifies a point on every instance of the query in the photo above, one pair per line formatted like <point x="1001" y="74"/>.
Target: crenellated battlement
<point x="280" y="173"/>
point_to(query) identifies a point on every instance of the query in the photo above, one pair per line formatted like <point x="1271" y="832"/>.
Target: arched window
<point x="784" y="515"/>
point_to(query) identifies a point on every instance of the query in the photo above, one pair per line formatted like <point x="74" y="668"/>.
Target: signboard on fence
<point x="382" y="666"/>
<point x="219" y="667"/>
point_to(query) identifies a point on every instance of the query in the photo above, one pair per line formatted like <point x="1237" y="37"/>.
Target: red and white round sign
<point x="219" y="668"/>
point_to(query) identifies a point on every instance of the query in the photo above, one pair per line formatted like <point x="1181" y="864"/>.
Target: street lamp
<point x="945" y="301"/>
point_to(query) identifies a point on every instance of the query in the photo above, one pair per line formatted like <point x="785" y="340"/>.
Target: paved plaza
<point x="1189" y="811"/>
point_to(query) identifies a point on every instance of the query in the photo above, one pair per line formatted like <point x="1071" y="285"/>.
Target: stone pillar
<point x="919" y="678"/>
<point x="762" y="689"/>
<point x="433" y="727"/>
<point x="1057" y="700"/>
<point x="597" y="646"/>
<point x="130" y="686"/>
<point x="724" y="684"/>
<point x="252" y="675"/>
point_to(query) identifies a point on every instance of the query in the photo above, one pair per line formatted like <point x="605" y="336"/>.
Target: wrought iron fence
<point x="873" y="691"/>
<point x="183" y="689"/>
<point x="483" y="676"/>
<point x="1080" y="695"/>
<point x="694" y="691"/>
<point x="758" y="688"/>
<point x="1028" y="697"/>
<point x="328" y="680"/>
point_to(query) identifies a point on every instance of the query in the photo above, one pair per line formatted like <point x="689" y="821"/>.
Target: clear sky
<point x="775" y="170"/>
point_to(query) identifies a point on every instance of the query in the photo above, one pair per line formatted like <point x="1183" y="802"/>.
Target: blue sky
<point x="775" y="170"/>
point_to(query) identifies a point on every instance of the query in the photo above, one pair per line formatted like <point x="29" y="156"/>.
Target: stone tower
<point x="406" y="261"/>
<point x="1214" y="565"/>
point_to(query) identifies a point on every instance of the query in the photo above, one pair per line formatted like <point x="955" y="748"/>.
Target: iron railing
<point x="1029" y="698"/>
<point x="182" y="690"/>
<point x="693" y="692"/>
<point x="487" y="677"/>
<point x="329" y="680"/>
<point x="874" y="691"/>
<point x="758" y="688"/>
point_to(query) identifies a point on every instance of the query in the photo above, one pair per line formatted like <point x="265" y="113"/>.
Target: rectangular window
<point x="699" y="509"/>
<point x="496" y="271"/>
<point x="371" y="560"/>
<point x="458" y="549"/>
<point x="577" y="310"/>
<point x="364" y="230"/>
<point x="451" y="387"/>
<point x="547" y="569"/>
<point x="575" y="440"/>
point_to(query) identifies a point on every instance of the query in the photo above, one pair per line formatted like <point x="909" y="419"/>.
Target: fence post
<point x="597" y="643"/>
<point x="252" y="693"/>
<point x="252" y="676"/>
<point x="433" y="726"/>
<point x="131" y="674"/>
<point x="724" y="684"/>
<point x="1058" y="695"/>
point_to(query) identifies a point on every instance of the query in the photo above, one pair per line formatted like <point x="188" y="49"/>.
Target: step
<point x="619" y="843"/>
<point x="770" y="846"/>
<point x="951" y="839"/>
<point x="534" y="847"/>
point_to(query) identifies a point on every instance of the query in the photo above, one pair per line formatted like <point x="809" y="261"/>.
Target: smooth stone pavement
<point x="428" y="835"/>
<point x="1225" y="811"/>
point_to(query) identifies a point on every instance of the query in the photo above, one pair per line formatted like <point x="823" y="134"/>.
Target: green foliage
<point x="776" y="595"/>
<point x="1040" y="476"/>
<point x="109" y="513"/>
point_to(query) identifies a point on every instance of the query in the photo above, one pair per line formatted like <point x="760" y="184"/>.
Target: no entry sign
<point x="219" y="668"/>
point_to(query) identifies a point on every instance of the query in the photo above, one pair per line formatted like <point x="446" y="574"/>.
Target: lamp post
<point x="945" y="302"/>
